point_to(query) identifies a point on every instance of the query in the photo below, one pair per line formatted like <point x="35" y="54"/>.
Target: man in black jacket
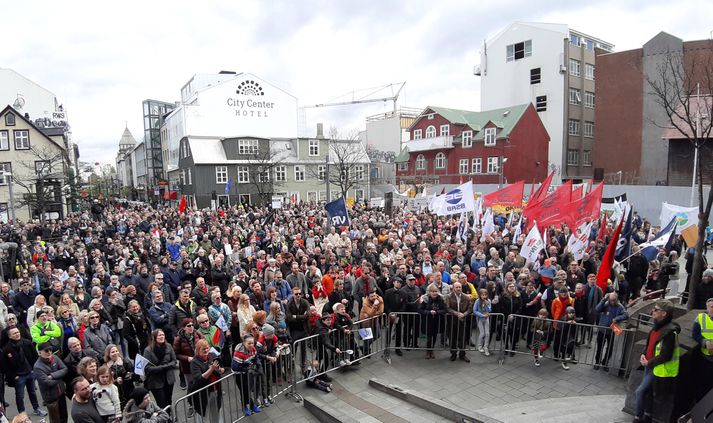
<point x="636" y="273"/>
<point x="18" y="359"/>
<point x="297" y="319"/>
<point x="395" y="302"/>
<point x="50" y="372"/>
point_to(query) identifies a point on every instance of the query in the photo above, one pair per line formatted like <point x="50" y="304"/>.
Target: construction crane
<point x="395" y="91"/>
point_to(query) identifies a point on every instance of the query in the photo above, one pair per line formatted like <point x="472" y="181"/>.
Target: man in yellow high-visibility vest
<point x="703" y="335"/>
<point x="660" y="360"/>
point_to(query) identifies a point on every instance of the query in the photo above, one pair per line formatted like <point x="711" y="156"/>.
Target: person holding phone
<point x="205" y="371"/>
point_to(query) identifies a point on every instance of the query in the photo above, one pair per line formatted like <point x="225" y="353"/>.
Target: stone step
<point x="585" y="409"/>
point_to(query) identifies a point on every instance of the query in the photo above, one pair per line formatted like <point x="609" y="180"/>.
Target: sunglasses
<point x="200" y="323"/>
<point x="93" y="317"/>
<point x="190" y="325"/>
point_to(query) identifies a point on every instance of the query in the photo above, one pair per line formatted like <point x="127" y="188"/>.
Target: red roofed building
<point x="449" y="146"/>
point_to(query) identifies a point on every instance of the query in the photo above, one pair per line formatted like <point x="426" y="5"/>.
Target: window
<point x="322" y="195"/>
<point x="263" y="174"/>
<point x="359" y="172"/>
<point x="299" y="173"/>
<point x="321" y="171"/>
<point x="417" y="134"/>
<point x="575" y="67"/>
<point x="221" y="174"/>
<point x="476" y="165"/>
<point x="190" y="177"/>
<point x="518" y="51"/>
<point x="22" y="139"/>
<point x="247" y="146"/>
<point x="280" y="173"/>
<point x="589" y="99"/>
<point x="490" y="136"/>
<point x="4" y="140"/>
<point x="420" y="162"/>
<point x="493" y="164"/>
<point x="573" y="127"/>
<point x="5" y="171"/>
<point x="403" y="166"/>
<point x="440" y="161"/>
<point x="575" y="39"/>
<point x="586" y="159"/>
<point x="243" y="174"/>
<point x="314" y="147"/>
<point x="575" y="96"/>
<point x="573" y="157"/>
<point x="588" y="129"/>
<point x="589" y="71"/>
<point x="590" y="44"/>
<point x="445" y="130"/>
<point x="42" y="167"/>
<point x="431" y="132"/>
<point x="535" y="76"/>
<point x="430" y="116"/>
<point x="467" y="138"/>
<point x="541" y="103"/>
<point x="9" y="119"/>
<point x="359" y="194"/>
<point x="463" y="166"/>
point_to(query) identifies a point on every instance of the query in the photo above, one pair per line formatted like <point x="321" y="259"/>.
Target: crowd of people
<point x="190" y="295"/>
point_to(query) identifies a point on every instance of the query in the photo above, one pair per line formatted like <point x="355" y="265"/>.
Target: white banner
<point x="376" y="202"/>
<point x="533" y="245"/>
<point x="488" y="225"/>
<point x="139" y="364"/>
<point x="455" y="201"/>
<point x="579" y="241"/>
<point x="685" y="216"/>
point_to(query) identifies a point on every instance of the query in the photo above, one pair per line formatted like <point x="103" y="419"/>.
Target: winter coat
<point x="50" y="376"/>
<point x="98" y="338"/>
<point x="185" y="348"/>
<point x="134" y="414"/>
<point x="136" y="331"/>
<point x="160" y="373"/>
<point x="199" y="401"/>
<point x="611" y="313"/>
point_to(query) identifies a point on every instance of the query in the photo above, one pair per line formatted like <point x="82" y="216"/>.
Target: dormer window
<point x="9" y="119"/>
<point x="489" y="136"/>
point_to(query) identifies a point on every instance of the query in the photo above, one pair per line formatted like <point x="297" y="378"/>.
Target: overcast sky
<point x="102" y="59"/>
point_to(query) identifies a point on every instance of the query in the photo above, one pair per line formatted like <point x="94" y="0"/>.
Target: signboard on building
<point x="277" y="202"/>
<point x="52" y="120"/>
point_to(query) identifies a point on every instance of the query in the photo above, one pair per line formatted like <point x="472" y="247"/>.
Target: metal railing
<point x="569" y="343"/>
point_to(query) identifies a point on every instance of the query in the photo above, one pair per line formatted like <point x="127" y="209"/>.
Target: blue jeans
<point x="644" y="393"/>
<point x="21" y="382"/>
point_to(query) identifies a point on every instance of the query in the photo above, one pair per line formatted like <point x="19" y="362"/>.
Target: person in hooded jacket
<point x="141" y="409"/>
<point x="50" y="372"/>
<point x="660" y="361"/>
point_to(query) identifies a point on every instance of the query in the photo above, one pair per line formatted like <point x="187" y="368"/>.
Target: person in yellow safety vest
<point x="703" y="335"/>
<point x="660" y="361"/>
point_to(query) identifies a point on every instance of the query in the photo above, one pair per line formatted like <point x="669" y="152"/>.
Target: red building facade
<point x="449" y="146"/>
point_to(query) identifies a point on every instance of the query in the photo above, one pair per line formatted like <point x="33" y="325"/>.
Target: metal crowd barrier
<point x="224" y="400"/>
<point x="415" y="331"/>
<point x="572" y="343"/>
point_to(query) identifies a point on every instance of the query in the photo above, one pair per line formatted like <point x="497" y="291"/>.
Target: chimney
<point x="320" y="131"/>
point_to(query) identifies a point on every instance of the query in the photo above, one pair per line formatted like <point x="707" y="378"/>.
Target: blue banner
<point x="337" y="210"/>
<point x="227" y="187"/>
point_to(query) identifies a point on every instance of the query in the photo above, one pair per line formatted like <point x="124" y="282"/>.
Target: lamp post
<point x="620" y="173"/>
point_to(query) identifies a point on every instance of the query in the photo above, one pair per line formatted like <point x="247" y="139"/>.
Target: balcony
<point x="426" y="144"/>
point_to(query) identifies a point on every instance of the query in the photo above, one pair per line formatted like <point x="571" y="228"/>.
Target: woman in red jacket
<point x="184" y="345"/>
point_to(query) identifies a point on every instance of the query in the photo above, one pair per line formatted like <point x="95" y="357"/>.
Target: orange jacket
<point x="559" y="306"/>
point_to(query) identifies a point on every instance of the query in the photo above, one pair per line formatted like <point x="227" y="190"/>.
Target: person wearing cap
<point x="50" y="372"/>
<point x="17" y="361"/>
<point x="703" y="335"/>
<point x="610" y="311"/>
<point x="660" y="361"/>
<point x="141" y="409"/>
<point x="45" y="330"/>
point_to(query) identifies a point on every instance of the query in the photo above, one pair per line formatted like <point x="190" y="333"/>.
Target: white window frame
<point x="263" y="176"/>
<point x="417" y="134"/>
<point x="575" y="67"/>
<point x="588" y="129"/>
<point x="493" y="162"/>
<point x="7" y="168"/>
<point x="440" y="162"/>
<point x="574" y="127"/>
<point x="243" y="197"/>
<point x="589" y="71"/>
<point x="476" y="166"/>
<point x="572" y="157"/>
<point x="299" y="173"/>
<point x="322" y="196"/>
<point x="587" y="158"/>
<point x="243" y="174"/>
<point x="312" y="196"/>
<point x="402" y="166"/>
<point x="510" y="51"/>
<point x="463" y="166"/>
<point x="321" y="172"/>
<point x="248" y="146"/>
<point x="489" y="137"/>
<point x="221" y="174"/>
<point x="589" y="99"/>
<point x="420" y="162"/>
<point x="4" y="140"/>
<point x="21" y="136"/>
<point x="281" y="173"/>
<point x="467" y="139"/>
<point x="445" y="130"/>
<point x="431" y="131"/>
<point x="359" y="172"/>
<point x="575" y="96"/>
<point x="313" y="148"/>
<point x="359" y="194"/>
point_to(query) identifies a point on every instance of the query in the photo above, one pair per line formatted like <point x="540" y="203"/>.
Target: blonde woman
<point x="32" y="311"/>
<point x="71" y="305"/>
<point x="245" y="313"/>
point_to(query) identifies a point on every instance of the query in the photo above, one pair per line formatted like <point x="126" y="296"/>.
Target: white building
<point x="543" y="64"/>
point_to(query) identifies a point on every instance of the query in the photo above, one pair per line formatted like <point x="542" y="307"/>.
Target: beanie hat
<point x="268" y="330"/>
<point x="138" y="395"/>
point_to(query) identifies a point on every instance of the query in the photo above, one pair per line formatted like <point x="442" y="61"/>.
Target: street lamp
<point x="620" y="173"/>
<point x="501" y="171"/>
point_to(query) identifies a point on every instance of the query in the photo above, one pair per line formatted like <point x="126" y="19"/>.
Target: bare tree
<point x="43" y="179"/>
<point x="683" y="86"/>
<point x="348" y="162"/>
<point x="262" y="166"/>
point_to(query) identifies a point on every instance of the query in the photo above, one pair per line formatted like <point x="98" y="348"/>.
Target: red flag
<point x="174" y="195"/>
<point x="548" y="211"/>
<point x="604" y="271"/>
<point x="577" y="193"/>
<point x="591" y="184"/>
<point x="217" y="338"/>
<point x="508" y="196"/>
<point x="541" y="192"/>
<point x="182" y="206"/>
<point x="584" y="209"/>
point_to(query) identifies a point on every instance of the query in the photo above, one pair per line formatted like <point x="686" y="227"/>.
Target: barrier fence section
<point x="570" y="343"/>
<point x="225" y="400"/>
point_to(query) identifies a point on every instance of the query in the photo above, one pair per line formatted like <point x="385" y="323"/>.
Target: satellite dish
<point x="19" y="102"/>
